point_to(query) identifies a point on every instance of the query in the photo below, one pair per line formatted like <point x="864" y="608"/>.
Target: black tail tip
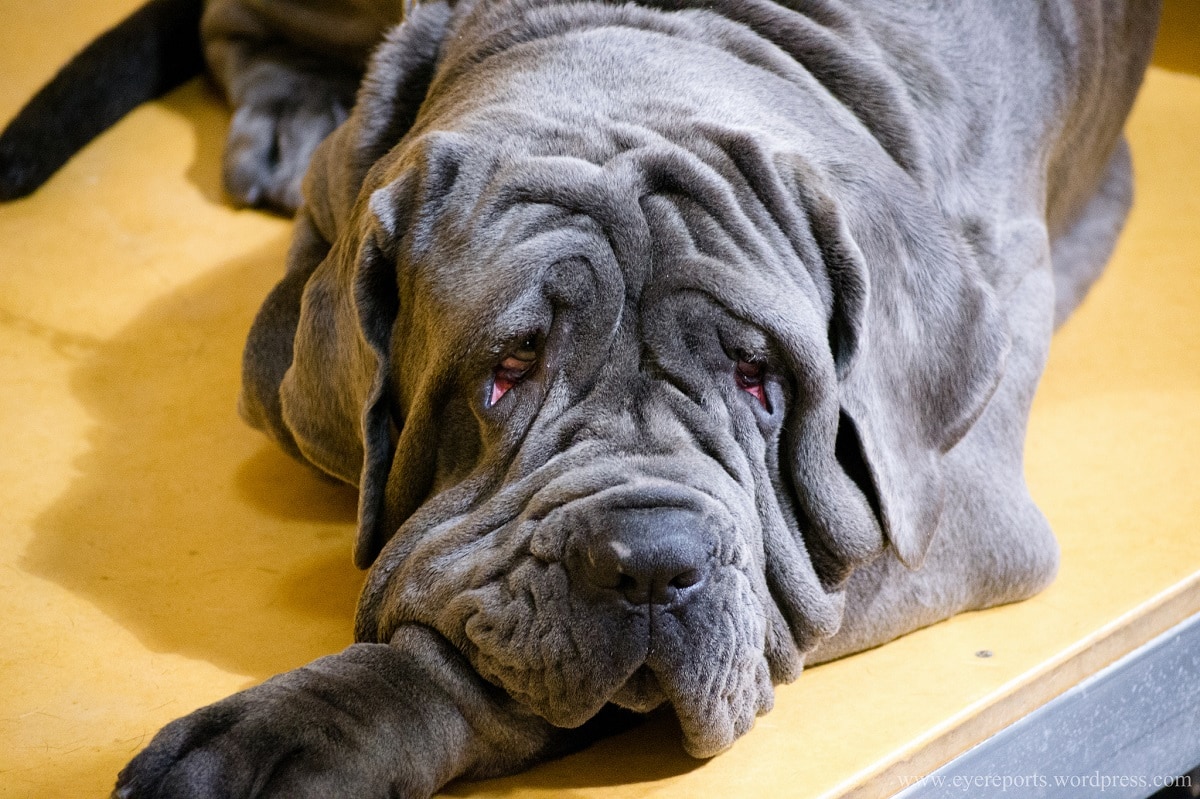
<point x="18" y="177"/>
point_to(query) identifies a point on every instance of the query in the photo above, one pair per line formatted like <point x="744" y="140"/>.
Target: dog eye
<point x="750" y="377"/>
<point x="527" y="351"/>
<point x="515" y="367"/>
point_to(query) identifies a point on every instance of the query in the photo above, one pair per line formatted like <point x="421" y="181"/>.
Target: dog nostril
<point x="627" y="585"/>
<point x="685" y="579"/>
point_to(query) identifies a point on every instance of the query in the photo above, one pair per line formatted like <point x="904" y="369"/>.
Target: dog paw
<point x="302" y="735"/>
<point x="273" y="135"/>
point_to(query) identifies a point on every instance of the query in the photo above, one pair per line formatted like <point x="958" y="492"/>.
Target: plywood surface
<point x="156" y="555"/>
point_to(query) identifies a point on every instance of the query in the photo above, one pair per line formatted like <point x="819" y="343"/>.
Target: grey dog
<point x="671" y="344"/>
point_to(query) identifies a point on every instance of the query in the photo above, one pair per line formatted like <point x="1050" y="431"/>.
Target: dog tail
<point x="145" y="56"/>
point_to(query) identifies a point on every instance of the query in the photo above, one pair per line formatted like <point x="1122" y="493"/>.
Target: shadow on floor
<point x="184" y="525"/>
<point x="1176" y="48"/>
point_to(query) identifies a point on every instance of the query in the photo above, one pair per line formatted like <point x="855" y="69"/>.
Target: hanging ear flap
<point x="340" y="356"/>
<point x="930" y="349"/>
<point x="404" y="214"/>
<point x="918" y="347"/>
<point x="335" y="396"/>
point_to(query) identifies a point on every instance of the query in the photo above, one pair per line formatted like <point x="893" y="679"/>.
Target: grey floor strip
<point x="1120" y="734"/>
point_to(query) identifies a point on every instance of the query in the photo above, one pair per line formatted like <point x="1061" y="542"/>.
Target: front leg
<point x="290" y="70"/>
<point x="377" y="720"/>
<point x="284" y="109"/>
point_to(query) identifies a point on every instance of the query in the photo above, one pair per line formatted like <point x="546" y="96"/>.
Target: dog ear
<point x="339" y="399"/>
<point x="315" y="367"/>
<point x="335" y="397"/>
<point x="918" y="346"/>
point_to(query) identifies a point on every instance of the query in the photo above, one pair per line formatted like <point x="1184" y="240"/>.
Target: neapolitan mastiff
<point x="672" y="345"/>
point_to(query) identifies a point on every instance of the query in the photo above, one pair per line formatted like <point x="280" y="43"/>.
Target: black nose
<point x="651" y="555"/>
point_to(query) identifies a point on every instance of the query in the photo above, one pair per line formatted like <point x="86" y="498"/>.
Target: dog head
<point x="627" y="399"/>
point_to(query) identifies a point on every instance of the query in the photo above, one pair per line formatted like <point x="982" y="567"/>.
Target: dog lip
<point x="641" y="693"/>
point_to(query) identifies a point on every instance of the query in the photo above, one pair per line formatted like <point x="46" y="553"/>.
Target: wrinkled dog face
<point x="599" y="433"/>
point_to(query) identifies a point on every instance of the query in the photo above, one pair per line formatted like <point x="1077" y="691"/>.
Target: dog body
<point x="672" y="347"/>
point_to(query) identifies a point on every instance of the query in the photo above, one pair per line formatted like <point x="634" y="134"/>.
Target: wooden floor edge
<point x="1025" y="693"/>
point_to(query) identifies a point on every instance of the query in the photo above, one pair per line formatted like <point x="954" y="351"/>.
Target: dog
<point x="672" y="346"/>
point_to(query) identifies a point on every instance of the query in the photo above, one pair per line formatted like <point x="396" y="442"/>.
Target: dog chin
<point x="710" y="724"/>
<point x="709" y="720"/>
<point x="641" y="693"/>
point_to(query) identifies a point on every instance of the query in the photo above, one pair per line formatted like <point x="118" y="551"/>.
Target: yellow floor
<point x="155" y="554"/>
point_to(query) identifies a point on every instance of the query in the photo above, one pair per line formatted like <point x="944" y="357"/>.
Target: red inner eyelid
<point x="500" y="387"/>
<point x="749" y="377"/>
<point x="511" y="371"/>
